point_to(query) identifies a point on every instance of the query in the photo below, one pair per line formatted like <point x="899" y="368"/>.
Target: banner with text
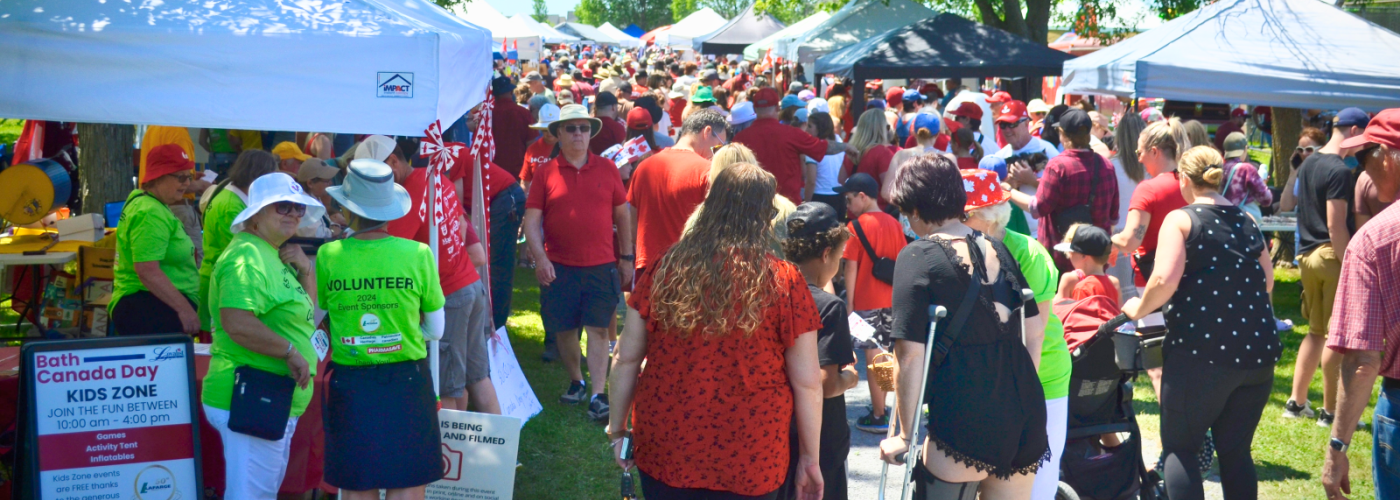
<point x="478" y="456"/>
<point x="512" y="389"/>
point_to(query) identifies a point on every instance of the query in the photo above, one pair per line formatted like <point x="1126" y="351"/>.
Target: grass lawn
<point x="9" y="131"/>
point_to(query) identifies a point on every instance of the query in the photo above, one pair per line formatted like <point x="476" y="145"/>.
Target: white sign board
<point x="112" y="422"/>
<point x="513" y="391"/>
<point x="478" y="456"/>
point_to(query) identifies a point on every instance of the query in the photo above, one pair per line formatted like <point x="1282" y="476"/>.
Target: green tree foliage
<point x="682" y="8"/>
<point x="645" y="13"/>
<point x="592" y="12"/>
<point x="541" y="11"/>
<point x="727" y="8"/>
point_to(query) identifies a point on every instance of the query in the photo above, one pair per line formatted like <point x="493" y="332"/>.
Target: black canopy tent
<point x="942" y="46"/>
<point x="745" y="29"/>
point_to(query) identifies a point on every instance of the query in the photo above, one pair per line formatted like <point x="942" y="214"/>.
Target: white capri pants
<point x="1047" y="479"/>
<point x="253" y="467"/>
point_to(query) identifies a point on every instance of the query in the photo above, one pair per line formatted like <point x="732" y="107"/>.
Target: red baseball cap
<point x="1237" y="113"/>
<point x="1384" y="128"/>
<point x="968" y="109"/>
<point x="894" y="95"/>
<point x="164" y="160"/>
<point x="999" y="96"/>
<point x="639" y="119"/>
<point x="1013" y="111"/>
<point x="766" y="97"/>
<point x="587" y="73"/>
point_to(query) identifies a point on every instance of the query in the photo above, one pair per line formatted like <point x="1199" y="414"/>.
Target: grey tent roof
<point x="944" y="46"/>
<point x="586" y="32"/>
<point x="746" y="28"/>
<point x="1290" y="53"/>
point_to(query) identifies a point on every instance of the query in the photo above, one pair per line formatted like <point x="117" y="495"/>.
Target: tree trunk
<point x="105" y="170"/>
<point x="1288" y="124"/>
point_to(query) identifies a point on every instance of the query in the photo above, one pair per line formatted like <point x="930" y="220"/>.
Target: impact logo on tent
<point x="395" y="84"/>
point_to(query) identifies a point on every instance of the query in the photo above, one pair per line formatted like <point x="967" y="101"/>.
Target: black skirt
<point x="382" y="427"/>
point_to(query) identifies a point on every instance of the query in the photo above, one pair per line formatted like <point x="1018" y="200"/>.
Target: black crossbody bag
<point x="1084" y="213"/>
<point x="261" y="404"/>
<point x="884" y="266"/>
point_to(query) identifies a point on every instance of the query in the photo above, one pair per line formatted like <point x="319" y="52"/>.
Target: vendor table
<point x="1283" y="222"/>
<point x="304" y="468"/>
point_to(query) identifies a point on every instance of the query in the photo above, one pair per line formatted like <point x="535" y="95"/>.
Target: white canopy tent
<point x="856" y="21"/>
<point x="588" y="34"/>
<point x="1290" y="53"/>
<point x="518" y="36"/>
<point x="623" y="39"/>
<point x="700" y="22"/>
<point x="351" y="66"/>
<point x="547" y="32"/>
<point x="755" y="51"/>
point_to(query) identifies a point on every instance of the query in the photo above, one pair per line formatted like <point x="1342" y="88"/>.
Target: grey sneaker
<point x="577" y="391"/>
<point x="1325" y="418"/>
<point x="598" y="407"/>
<point x="1292" y="409"/>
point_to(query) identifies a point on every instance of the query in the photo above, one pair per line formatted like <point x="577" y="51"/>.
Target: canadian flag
<point x="624" y="153"/>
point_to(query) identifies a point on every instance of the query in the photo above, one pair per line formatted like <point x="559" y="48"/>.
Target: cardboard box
<point x="96" y="263"/>
<point x="97" y="289"/>
<point x="91" y="235"/>
<point x="80" y="223"/>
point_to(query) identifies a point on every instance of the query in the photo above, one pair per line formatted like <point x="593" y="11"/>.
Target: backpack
<point x="1082" y="318"/>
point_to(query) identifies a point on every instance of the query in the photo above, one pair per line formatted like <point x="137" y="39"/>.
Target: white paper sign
<point x="478" y="456"/>
<point x="859" y="328"/>
<point x="513" y="391"/>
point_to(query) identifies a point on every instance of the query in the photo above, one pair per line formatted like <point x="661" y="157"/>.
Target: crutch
<point x="1026" y="296"/>
<point x="935" y="313"/>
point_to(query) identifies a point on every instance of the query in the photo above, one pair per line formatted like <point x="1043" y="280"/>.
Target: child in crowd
<point x="1088" y="248"/>
<point x="879" y="236"/>
<point x="815" y="241"/>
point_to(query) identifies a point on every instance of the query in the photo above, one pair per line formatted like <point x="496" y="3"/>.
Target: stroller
<point x="1097" y="463"/>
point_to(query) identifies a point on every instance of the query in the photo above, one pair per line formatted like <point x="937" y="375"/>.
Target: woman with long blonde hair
<point x="874" y="153"/>
<point x="729" y="334"/>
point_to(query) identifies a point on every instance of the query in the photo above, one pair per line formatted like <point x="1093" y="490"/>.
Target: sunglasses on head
<point x="1308" y="149"/>
<point x="287" y="207"/>
<point x="576" y="129"/>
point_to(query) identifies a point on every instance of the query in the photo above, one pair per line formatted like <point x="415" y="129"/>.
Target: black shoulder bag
<point x="1084" y="213"/>
<point x="944" y="342"/>
<point x="261" y="403"/>
<point x="884" y="266"/>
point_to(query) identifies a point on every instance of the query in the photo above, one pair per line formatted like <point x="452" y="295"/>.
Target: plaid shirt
<point x="1065" y="184"/>
<point x="1366" y="313"/>
<point x="1246" y="185"/>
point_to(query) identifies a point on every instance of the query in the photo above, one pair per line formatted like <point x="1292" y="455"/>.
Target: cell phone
<point x="626" y="453"/>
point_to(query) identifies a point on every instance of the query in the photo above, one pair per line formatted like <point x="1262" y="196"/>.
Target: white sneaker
<point x="1292" y="409"/>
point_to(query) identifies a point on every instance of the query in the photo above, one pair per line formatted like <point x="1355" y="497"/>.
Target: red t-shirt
<point x="886" y="236"/>
<point x="578" y="209"/>
<point x="677" y="106"/>
<point x="966" y="163"/>
<point x="537" y="154"/>
<point x="610" y="134"/>
<point x="779" y="149"/>
<point x="510" y="126"/>
<point x="666" y="189"/>
<point x="1157" y="196"/>
<point x="718" y="410"/>
<point x="1093" y="285"/>
<point x="455" y="269"/>
<point x="493" y="180"/>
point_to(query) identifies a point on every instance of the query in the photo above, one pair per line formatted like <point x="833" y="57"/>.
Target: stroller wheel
<point x="1065" y="492"/>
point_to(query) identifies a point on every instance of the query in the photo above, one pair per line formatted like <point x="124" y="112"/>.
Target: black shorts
<point x="142" y="313"/>
<point x="580" y="296"/>
<point x="369" y="447"/>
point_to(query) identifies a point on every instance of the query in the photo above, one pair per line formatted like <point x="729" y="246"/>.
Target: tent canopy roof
<point x="944" y="46"/>
<point x="623" y="39"/>
<point x="634" y="31"/>
<point x="700" y="22"/>
<point x="858" y="20"/>
<point x="755" y="51"/>
<point x="745" y="29"/>
<point x="1264" y="52"/>
<point x="586" y="32"/>
<point x="482" y="14"/>
<point x="351" y="66"/>
<point x="547" y="32"/>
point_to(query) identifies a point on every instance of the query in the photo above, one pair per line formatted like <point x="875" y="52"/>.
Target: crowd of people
<point x="711" y="277"/>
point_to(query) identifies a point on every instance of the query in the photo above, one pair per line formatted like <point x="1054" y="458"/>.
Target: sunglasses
<point x="183" y="178"/>
<point x="1308" y="150"/>
<point x="576" y="129"/>
<point x="1009" y="125"/>
<point x="287" y="207"/>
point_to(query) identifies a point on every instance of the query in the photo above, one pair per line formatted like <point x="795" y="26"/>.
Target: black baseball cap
<point x="605" y="99"/>
<point x="1075" y="121"/>
<point x="1351" y="117"/>
<point x="813" y="217"/>
<point x="859" y="183"/>
<point x="1086" y="239"/>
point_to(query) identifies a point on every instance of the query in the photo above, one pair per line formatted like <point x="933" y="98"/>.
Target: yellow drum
<point x="29" y="191"/>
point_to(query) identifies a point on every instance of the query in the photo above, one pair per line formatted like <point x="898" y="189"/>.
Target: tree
<point x="682" y="8"/>
<point x="592" y="12"/>
<point x="541" y="11"/>
<point x="645" y="13"/>
<point x="727" y="8"/>
<point x="104" y="160"/>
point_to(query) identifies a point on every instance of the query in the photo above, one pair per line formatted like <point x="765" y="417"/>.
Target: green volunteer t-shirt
<point x="218" y="217"/>
<point x="251" y="277"/>
<point x="148" y="231"/>
<point x="1043" y="279"/>
<point x="374" y="309"/>
<point x="218" y="141"/>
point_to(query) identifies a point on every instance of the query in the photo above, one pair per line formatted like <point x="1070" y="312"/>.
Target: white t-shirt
<point x="828" y="170"/>
<point x="1126" y="186"/>
<point x="1036" y="145"/>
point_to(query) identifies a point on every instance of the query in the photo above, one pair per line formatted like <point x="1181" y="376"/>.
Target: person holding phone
<point x="262" y="293"/>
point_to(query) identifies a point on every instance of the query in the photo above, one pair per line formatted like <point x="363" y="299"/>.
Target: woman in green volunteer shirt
<point x="156" y="285"/>
<point x="262" y="321"/>
<point x="230" y="197"/>
<point x="379" y="357"/>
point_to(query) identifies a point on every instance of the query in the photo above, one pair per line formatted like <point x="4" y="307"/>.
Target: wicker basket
<point x="881" y="369"/>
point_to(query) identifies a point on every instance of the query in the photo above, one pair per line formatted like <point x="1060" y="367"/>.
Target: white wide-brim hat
<point x="369" y="191"/>
<point x="275" y="187"/>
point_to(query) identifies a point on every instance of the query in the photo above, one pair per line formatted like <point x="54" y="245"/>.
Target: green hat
<point x="703" y="94"/>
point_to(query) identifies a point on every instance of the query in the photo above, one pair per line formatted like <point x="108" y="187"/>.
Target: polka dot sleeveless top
<point x="1221" y="310"/>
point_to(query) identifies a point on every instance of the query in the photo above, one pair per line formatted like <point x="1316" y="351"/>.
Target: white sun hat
<point x="275" y="187"/>
<point x="370" y="192"/>
<point x="375" y="147"/>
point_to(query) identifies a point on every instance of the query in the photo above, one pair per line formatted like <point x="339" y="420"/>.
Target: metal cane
<point x="1026" y="296"/>
<point x="935" y="313"/>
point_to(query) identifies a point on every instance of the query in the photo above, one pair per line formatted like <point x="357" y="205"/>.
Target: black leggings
<point x="141" y="313"/>
<point x="653" y="489"/>
<point x="1197" y="396"/>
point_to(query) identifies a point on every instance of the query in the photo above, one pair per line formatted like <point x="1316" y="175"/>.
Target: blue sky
<point x="513" y="7"/>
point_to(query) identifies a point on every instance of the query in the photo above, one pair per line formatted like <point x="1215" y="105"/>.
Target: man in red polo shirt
<point x="779" y="148"/>
<point x="667" y="187"/>
<point x="574" y="203"/>
<point x="510" y="125"/>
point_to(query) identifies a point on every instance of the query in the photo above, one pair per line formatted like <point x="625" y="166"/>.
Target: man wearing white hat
<point x="542" y="150"/>
<point x="574" y="204"/>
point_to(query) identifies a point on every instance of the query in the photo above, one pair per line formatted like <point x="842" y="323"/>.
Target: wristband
<point x="291" y="348"/>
